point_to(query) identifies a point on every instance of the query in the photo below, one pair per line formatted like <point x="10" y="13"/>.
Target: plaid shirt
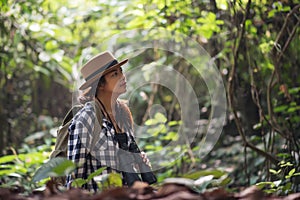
<point x="81" y="151"/>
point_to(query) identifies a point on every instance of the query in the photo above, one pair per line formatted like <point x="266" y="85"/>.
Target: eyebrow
<point x="115" y="70"/>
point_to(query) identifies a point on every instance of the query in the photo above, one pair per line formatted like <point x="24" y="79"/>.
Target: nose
<point x="123" y="77"/>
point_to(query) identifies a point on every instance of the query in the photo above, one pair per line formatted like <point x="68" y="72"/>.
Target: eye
<point x="115" y="73"/>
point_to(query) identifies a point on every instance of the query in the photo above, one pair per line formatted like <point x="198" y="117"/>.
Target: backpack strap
<point x="98" y="126"/>
<point x="98" y="112"/>
<point x="70" y="113"/>
<point x="60" y="148"/>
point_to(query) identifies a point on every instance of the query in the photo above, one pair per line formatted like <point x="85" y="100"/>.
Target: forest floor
<point x="142" y="191"/>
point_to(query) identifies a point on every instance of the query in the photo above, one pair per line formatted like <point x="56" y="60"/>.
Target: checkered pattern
<point x="79" y="146"/>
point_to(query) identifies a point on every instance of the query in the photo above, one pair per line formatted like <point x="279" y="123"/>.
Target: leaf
<point x="35" y="27"/>
<point x="110" y="180"/>
<point x="58" y="55"/>
<point x="293" y="109"/>
<point x="283" y="155"/>
<point x="283" y="164"/>
<point x="197" y="174"/>
<point x="274" y="171"/>
<point x="204" y="179"/>
<point x="42" y="70"/>
<point x="95" y="173"/>
<point x="294" y="90"/>
<point x="35" y="136"/>
<point x="266" y="47"/>
<point x="287" y="186"/>
<point x="291" y="173"/>
<point x="6" y="159"/>
<point x="44" y="56"/>
<point x="160" y="117"/>
<point x="64" y="168"/>
<point x="150" y="122"/>
<point x="225" y="181"/>
<point x="51" y="45"/>
<point x="79" y="182"/>
<point x="64" y="34"/>
<point x="171" y="136"/>
<point x="286" y="8"/>
<point x="277" y="183"/>
<point x="114" y="179"/>
<point x="174" y="123"/>
<point x="263" y="184"/>
<point x="54" y="168"/>
<point x="271" y="13"/>
<point x="15" y="175"/>
<point x="280" y="108"/>
<point x="184" y="181"/>
<point x="6" y="172"/>
<point x="257" y="126"/>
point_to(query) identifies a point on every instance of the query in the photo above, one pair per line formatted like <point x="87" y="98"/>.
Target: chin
<point x="124" y="91"/>
<point x="120" y="92"/>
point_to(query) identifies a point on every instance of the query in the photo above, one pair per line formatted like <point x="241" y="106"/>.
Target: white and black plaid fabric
<point x="90" y="159"/>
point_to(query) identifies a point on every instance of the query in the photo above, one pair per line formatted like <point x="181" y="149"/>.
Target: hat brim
<point x="89" y="82"/>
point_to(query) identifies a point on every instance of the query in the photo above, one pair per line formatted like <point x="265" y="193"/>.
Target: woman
<point x="95" y="143"/>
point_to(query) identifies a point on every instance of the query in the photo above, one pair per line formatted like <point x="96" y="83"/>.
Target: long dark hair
<point x="90" y="93"/>
<point x="123" y="115"/>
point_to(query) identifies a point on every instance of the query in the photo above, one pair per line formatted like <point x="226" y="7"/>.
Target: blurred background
<point x="254" y="45"/>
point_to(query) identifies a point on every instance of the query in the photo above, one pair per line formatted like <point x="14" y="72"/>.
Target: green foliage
<point x="55" y="167"/>
<point x="43" y="43"/>
<point x="16" y="170"/>
<point x="206" y="179"/>
<point x="111" y="180"/>
<point x="278" y="7"/>
<point x="105" y="181"/>
<point x="201" y="181"/>
<point x="164" y="132"/>
<point x="173" y="16"/>
<point x="283" y="175"/>
<point x="209" y="24"/>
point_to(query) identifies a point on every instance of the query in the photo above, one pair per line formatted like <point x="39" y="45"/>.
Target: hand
<point x="145" y="158"/>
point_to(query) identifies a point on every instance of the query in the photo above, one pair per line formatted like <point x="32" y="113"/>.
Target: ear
<point x="100" y="87"/>
<point x="101" y="84"/>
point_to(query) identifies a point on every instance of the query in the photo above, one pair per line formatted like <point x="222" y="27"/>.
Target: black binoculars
<point x="129" y="156"/>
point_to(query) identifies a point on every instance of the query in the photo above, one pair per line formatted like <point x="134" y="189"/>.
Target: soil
<point x="142" y="191"/>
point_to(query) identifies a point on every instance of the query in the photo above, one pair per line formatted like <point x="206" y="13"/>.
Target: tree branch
<point x="276" y="59"/>
<point x="231" y="91"/>
<point x="278" y="38"/>
<point x="287" y="43"/>
<point x="285" y="24"/>
<point x="150" y="101"/>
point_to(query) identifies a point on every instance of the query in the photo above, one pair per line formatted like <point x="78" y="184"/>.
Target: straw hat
<point x="98" y="66"/>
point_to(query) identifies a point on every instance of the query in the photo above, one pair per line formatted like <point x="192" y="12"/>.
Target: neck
<point x="108" y="101"/>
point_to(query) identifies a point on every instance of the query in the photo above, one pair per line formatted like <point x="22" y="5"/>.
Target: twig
<point x="150" y="101"/>
<point x="287" y="43"/>
<point x="281" y="32"/>
<point x="278" y="38"/>
<point x="276" y="59"/>
<point x="231" y="96"/>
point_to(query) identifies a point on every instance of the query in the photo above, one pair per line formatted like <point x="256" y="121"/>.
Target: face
<point x="115" y="82"/>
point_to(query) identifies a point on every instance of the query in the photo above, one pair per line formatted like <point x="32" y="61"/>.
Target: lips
<point x="123" y="84"/>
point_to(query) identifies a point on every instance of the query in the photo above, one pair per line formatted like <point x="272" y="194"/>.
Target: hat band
<point x="105" y="67"/>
